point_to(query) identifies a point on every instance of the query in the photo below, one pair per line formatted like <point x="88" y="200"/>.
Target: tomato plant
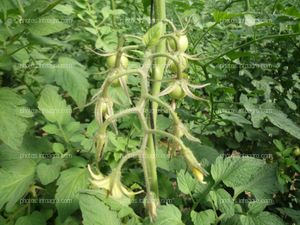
<point x="149" y="112"/>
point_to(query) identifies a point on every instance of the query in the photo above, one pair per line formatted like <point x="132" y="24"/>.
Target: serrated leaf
<point x="280" y="119"/>
<point x="51" y="129"/>
<point x="46" y="25"/>
<point x="223" y="202"/>
<point x="206" y="217"/>
<point x="94" y="211"/>
<point x="69" y="184"/>
<point x="16" y="176"/>
<point x="71" y="76"/>
<point x="266" y="218"/>
<point x="262" y="184"/>
<point x="257" y="207"/>
<point x="246" y="174"/>
<point x="186" y="183"/>
<point x="65" y="9"/>
<point x="36" y="218"/>
<point x="168" y="214"/>
<point x="47" y="173"/>
<point x="53" y="107"/>
<point x="115" y="205"/>
<point x="234" y="170"/>
<point x="235" y="118"/>
<point x="12" y="118"/>
<point x="152" y="37"/>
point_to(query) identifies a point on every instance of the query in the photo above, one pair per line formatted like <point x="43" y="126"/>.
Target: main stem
<point x="157" y="74"/>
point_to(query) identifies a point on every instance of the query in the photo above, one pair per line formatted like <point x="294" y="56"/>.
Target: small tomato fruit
<point x="177" y="93"/>
<point x="117" y="83"/>
<point x="183" y="63"/>
<point x="297" y="152"/>
<point x="111" y="61"/>
<point x="182" y="41"/>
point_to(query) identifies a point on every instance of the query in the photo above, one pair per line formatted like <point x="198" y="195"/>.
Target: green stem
<point x="167" y="106"/>
<point x="159" y="63"/>
<point x="158" y="71"/>
<point x="247" y="5"/>
<point x="113" y="7"/>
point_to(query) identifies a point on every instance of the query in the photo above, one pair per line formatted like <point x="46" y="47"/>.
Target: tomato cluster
<point x="179" y="44"/>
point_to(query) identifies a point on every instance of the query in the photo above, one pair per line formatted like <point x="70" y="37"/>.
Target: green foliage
<point x="70" y="182"/>
<point x="246" y="174"/>
<point x="186" y="183"/>
<point x="248" y="120"/>
<point x="45" y="27"/>
<point x="71" y="76"/>
<point x="153" y="35"/>
<point x="206" y="217"/>
<point x="98" y="214"/>
<point x="34" y="218"/>
<point x="13" y="116"/>
<point x="15" y="182"/>
<point x="168" y="214"/>
<point x="53" y="107"/>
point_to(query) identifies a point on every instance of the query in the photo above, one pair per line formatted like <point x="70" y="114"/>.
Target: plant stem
<point x="159" y="63"/>
<point x="158" y="71"/>
<point x="113" y="7"/>
<point x="247" y="8"/>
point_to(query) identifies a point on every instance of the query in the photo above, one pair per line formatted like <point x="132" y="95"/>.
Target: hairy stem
<point x="157" y="74"/>
<point x="113" y="7"/>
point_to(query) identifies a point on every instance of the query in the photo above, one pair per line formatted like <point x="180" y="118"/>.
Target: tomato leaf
<point x="69" y="184"/>
<point x="152" y="37"/>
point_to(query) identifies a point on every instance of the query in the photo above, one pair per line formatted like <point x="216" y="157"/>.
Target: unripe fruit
<point x="297" y="152"/>
<point x="182" y="41"/>
<point x="117" y="83"/>
<point x="111" y="61"/>
<point x="177" y="93"/>
<point x="183" y="64"/>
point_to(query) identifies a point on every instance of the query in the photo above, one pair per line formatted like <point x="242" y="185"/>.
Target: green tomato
<point x="117" y="83"/>
<point x="182" y="41"/>
<point x="177" y="93"/>
<point x="297" y="151"/>
<point x="183" y="63"/>
<point x="111" y="61"/>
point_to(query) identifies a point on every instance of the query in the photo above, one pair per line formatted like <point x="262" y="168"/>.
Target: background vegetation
<point x="249" y="53"/>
